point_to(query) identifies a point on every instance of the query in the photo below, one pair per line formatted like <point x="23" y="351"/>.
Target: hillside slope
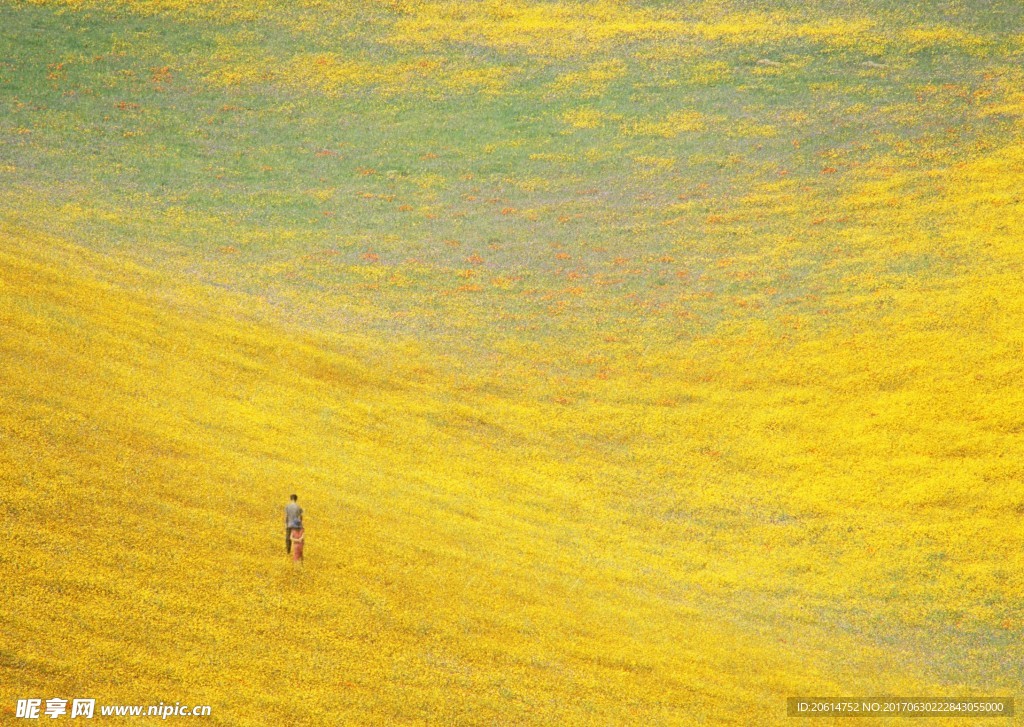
<point x="635" y="362"/>
<point x="464" y="564"/>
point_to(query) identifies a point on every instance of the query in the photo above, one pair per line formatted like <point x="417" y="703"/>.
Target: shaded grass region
<point x="636" y="363"/>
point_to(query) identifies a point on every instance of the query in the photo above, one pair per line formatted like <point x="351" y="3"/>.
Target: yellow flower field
<point x="634" y="363"/>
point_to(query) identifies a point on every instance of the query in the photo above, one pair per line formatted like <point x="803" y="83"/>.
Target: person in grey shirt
<point x="292" y="521"/>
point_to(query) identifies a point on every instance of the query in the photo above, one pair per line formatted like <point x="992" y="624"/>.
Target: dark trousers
<point x="288" y="539"/>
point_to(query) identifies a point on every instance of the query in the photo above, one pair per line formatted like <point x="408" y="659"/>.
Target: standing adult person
<point x="292" y="521"/>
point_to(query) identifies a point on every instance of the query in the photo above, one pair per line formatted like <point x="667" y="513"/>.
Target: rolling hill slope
<point x="636" y="363"/>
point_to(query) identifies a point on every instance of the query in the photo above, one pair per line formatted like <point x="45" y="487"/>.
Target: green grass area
<point x="170" y="165"/>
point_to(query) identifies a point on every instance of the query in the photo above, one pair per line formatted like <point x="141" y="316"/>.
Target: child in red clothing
<point x="297" y="536"/>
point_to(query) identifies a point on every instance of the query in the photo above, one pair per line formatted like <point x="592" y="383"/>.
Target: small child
<point x="297" y="536"/>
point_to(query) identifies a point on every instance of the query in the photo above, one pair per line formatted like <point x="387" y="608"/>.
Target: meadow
<point x="635" y="362"/>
